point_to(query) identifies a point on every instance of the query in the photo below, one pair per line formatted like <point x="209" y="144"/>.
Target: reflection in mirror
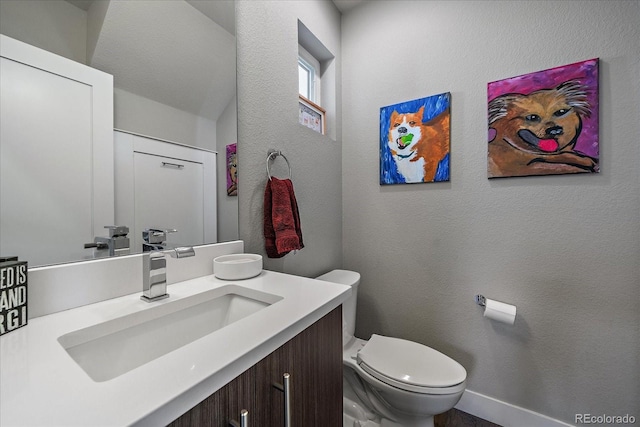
<point x="174" y="79"/>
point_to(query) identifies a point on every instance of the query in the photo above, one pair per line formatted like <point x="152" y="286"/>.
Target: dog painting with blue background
<point x="415" y="141"/>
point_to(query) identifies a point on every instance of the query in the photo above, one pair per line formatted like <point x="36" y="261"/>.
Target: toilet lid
<point x="400" y="362"/>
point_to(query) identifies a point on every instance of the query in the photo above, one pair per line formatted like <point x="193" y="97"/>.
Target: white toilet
<point x="391" y="381"/>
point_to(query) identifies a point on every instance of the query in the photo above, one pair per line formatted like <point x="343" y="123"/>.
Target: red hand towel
<point x="281" y="226"/>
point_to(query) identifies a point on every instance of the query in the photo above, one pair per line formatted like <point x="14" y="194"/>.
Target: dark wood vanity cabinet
<point x="313" y="359"/>
<point x="224" y="405"/>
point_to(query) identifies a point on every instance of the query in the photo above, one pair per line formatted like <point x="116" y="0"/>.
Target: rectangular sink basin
<point x="112" y="348"/>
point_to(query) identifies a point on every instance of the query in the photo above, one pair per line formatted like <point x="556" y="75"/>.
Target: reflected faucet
<point x="154" y="263"/>
<point x="117" y="243"/>
<point x="154" y="239"/>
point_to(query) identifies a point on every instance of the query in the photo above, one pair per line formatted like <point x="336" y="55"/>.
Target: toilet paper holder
<point x="496" y="310"/>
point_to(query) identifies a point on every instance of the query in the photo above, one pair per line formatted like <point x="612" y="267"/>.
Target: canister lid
<point x="343" y="277"/>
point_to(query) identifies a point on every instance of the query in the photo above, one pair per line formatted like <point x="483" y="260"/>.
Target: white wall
<point x="564" y="249"/>
<point x="53" y="25"/>
<point x="267" y="37"/>
<point x="141" y="115"/>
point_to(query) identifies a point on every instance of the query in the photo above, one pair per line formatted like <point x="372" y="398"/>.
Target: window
<point x="308" y="75"/>
<point x="316" y="84"/>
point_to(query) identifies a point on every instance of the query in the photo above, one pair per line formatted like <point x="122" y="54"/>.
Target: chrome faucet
<point x="154" y="263"/>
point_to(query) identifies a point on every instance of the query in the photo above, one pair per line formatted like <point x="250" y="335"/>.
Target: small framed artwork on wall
<point x="415" y="140"/>
<point x="544" y="123"/>
<point x="311" y="115"/>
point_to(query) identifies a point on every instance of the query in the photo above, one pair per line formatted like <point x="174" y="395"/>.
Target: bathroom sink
<point x="112" y="348"/>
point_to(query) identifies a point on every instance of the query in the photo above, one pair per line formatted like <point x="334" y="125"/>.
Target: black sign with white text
<point x="13" y="294"/>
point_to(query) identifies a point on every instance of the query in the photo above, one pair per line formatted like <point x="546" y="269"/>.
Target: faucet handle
<point x="97" y="244"/>
<point x="183" y="252"/>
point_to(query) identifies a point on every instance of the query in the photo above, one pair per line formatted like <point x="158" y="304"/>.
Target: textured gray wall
<point x="267" y="37"/>
<point x="565" y="249"/>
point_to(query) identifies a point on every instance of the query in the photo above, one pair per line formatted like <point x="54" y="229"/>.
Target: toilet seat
<point x="411" y="366"/>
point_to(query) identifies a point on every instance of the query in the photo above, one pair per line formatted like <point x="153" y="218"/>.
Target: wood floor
<point x="456" y="418"/>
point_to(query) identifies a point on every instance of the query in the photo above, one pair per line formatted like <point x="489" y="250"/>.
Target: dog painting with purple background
<point x="544" y="123"/>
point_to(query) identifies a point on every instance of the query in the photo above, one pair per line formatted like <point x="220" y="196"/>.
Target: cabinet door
<point x="314" y="361"/>
<point x="166" y="185"/>
<point x="224" y="405"/>
<point x="169" y="193"/>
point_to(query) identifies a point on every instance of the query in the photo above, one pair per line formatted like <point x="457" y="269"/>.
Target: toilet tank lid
<point x="410" y="363"/>
<point x="344" y="277"/>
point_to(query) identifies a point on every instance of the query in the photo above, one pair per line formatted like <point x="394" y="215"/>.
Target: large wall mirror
<point x="173" y="64"/>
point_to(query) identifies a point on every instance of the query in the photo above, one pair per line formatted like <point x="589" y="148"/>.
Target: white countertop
<point x="41" y="385"/>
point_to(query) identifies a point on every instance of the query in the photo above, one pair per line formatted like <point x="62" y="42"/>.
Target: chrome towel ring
<point x="272" y="154"/>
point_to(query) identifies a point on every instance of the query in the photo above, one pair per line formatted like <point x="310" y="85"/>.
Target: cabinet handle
<point x="244" y="420"/>
<point x="286" y="388"/>
<point x="172" y="165"/>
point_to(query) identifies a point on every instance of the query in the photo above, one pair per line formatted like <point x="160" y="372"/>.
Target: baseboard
<point x="503" y="413"/>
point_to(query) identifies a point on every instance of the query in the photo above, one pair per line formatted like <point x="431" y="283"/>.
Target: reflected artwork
<point x="232" y="170"/>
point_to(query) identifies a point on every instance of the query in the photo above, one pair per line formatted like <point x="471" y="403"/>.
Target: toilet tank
<point x="349" y="278"/>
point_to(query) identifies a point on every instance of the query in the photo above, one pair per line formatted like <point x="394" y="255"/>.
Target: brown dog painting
<point x="537" y="132"/>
